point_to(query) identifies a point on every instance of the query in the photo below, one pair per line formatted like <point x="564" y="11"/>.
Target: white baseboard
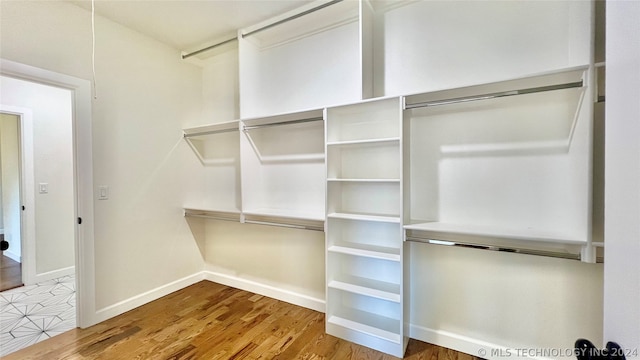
<point x="11" y="255"/>
<point x="146" y="297"/>
<point x="266" y="290"/>
<point x="55" y="274"/>
<point x="472" y="346"/>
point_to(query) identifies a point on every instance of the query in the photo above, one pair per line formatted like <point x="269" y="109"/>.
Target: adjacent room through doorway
<point x="10" y="263"/>
<point x="38" y="212"/>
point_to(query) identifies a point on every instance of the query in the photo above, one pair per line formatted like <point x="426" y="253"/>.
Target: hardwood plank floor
<point x="10" y="273"/>
<point x="213" y="321"/>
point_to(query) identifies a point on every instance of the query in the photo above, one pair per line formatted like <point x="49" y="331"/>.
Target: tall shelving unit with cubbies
<point x="365" y="264"/>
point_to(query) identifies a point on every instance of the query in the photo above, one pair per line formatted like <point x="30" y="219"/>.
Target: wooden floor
<point x="10" y="273"/>
<point x="213" y="321"/>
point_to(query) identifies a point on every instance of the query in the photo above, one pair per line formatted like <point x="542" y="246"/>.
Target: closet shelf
<point x="211" y="129"/>
<point x="550" y="146"/>
<point x="363" y="217"/>
<point x="370" y="324"/>
<point x="369" y="251"/>
<point x="367" y="287"/>
<point x="364" y="142"/>
<point x="284" y="119"/>
<point x="561" y="80"/>
<point x="534" y="235"/>
<point x="218" y="214"/>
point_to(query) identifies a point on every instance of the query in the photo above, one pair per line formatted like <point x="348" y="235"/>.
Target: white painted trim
<point x="55" y="274"/>
<point x="146" y="297"/>
<point x="468" y="345"/>
<point x="266" y="290"/>
<point x="11" y="255"/>
<point x="83" y="178"/>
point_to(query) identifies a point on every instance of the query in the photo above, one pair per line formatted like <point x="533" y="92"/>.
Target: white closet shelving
<point x="365" y="300"/>
<point x="424" y="46"/>
<point x="218" y="149"/>
<point x="283" y="169"/>
<point x="491" y="148"/>
<point x="291" y="62"/>
<point x="508" y="160"/>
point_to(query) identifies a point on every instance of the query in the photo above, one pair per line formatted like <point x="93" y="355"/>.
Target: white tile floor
<point x="30" y="314"/>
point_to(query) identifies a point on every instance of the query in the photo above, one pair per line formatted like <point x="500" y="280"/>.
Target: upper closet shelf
<point x="211" y="129"/>
<point x="364" y="217"/>
<point x="364" y="142"/>
<point x="283" y="119"/>
<point x="547" y="82"/>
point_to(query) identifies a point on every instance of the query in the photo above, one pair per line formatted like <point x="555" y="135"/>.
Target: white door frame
<point x="27" y="191"/>
<point x="83" y="178"/>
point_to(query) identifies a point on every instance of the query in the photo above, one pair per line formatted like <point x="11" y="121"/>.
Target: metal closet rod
<point x="292" y="17"/>
<point x="511" y="249"/>
<point x="184" y="56"/>
<point x="291" y="122"/>
<point x="209" y="132"/>
<point x="570" y="85"/>
<point x="213" y="217"/>
<point x="283" y="224"/>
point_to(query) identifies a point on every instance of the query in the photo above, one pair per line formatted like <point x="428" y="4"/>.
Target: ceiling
<point x="188" y="24"/>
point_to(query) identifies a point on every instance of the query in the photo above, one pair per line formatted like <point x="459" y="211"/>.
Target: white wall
<point x="622" y="176"/>
<point x="11" y="183"/>
<point x="145" y="93"/>
<point x="504" y="299"/>
<point x="53" y="165"/>
<point x="289" y="260"/>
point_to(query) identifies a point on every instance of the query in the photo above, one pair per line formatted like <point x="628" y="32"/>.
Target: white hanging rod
<point x="212" y="217"/>
<point x="184" y="56"/>
<point x="510" y="249"/>
<point x="212" y="214"/>
<point x="209" y="132"/>
<point x="292" y="17"/>
<point x="570" y="85"/>
<point x="290" y="122"/>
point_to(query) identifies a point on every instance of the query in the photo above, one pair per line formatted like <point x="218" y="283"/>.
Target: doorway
<point x="53" y="111"/>
<point x="10" y="202"/>
<point x="43" y="208"/>
<point x="83" y="178"/>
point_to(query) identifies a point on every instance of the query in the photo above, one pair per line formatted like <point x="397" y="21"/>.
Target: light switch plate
<point x="44" y="188"/>
<point x="103" y="193"/>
